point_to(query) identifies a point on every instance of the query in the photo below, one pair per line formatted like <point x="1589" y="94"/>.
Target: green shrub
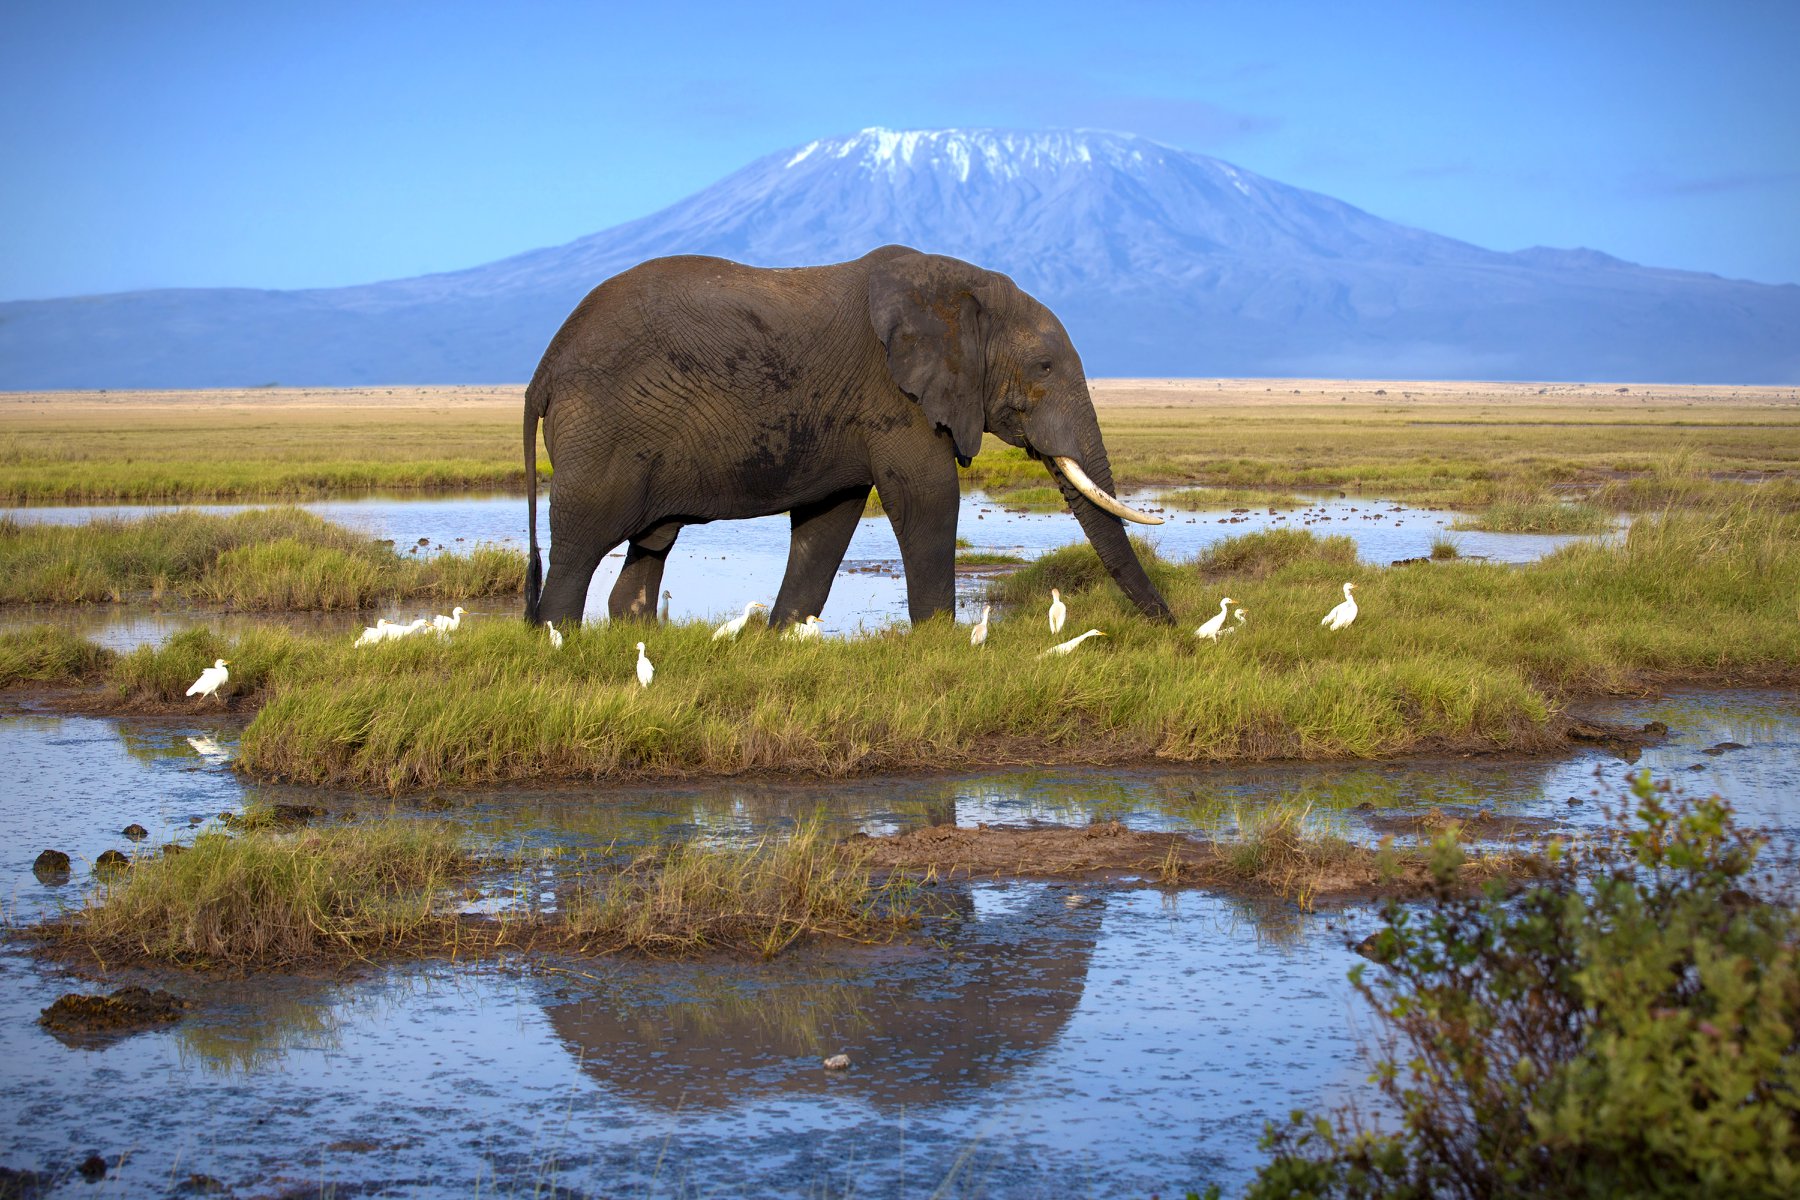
<point x="1625" y="1027"/>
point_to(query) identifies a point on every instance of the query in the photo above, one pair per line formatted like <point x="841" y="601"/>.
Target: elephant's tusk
<point x="1075" y="475"/>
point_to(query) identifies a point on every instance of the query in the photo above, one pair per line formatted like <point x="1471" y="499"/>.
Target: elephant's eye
<point x="1044" y="367"/>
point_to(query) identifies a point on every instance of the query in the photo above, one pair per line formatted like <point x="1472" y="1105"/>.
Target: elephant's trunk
<point x="1104" y="529"/>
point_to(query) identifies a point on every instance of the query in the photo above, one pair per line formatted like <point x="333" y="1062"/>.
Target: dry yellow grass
<point x="1420" y="439"/>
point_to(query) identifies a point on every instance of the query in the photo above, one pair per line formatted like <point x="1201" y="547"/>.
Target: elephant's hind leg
<point x="822" y="532"/>
<point x="576" y="548"/>
<point x="640" y="579"/>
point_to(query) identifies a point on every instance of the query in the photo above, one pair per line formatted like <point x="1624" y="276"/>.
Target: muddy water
<point x="716" y="568"/>
<point x="1129" y="1046"/>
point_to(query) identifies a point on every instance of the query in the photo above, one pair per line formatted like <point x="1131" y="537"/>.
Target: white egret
<point x="978" y="635"/>
<point x="1239" y="616"/>
<point x="1341" y="616"/>
<point x="1065" y="647"/>
<point x="399" y="631"/>
<point x="1059" y="612"/>
<point x="807" y="631"/>
<point x="205" y="747"/>
<point x="555" y="636"/>
<point x="209" y="681"/>
<point x="442" y="625"/>
<point x="735" y="626"/>
<point x="1214" y="625"/>
<point x="646" y="672"/>
<point x="668" y="599"/>
<point x="373" y="633"/>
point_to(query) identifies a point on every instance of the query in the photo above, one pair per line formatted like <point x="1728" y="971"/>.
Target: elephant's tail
<point x="534" y="563"/>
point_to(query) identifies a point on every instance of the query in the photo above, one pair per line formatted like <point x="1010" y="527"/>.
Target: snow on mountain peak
<point x="1000" y="154"/>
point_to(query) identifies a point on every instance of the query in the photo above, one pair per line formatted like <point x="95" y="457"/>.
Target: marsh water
<point x="715" y="569"/>
<point x="1134" y="1045"/>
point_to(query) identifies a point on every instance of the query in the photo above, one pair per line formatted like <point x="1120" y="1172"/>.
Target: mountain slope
<point x="1160" y="262"/>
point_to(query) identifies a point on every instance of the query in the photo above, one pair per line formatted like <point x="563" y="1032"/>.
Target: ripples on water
<point x="1134" y="1045"/>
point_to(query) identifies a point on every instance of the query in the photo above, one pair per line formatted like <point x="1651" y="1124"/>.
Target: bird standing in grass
<point x="645" y="671"/>
<point x="555" y="636"/>
<point x="1341" y="616"/>
<point x="668" y="599"/>
<point x="1240" y="616"/>
<point x="399" y="631"/>
<point x="978" y="635"/>
<point x="1059" y="612"/>
<point x="1214" y="625"/>
<point x="210" y="680"/>
<point x="805" y="632"/>
<point x="1065" y="647"/>
<point x="373" y="633"/>
<point x="442" y="625"/>
<point x="735" y="626"/>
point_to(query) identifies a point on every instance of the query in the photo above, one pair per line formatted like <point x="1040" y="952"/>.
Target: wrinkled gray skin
<point x="694" y="389"/>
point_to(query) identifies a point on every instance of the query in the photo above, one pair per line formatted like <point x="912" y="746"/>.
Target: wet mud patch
<point x="84" y="1019"/>
<point x="1302" y="868"/>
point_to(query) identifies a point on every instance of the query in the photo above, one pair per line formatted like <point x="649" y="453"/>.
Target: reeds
<point x="760" y="899"/>
<point x="277" y="898"/>
<point x="270" y="898"/>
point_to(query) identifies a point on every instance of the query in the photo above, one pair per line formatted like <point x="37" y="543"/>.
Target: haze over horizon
<point x="204" y="145"/>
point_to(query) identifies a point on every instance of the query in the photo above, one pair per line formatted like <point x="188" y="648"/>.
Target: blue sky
<point x="267" y="145"/>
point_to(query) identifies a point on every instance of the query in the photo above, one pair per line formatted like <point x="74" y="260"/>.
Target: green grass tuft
<point x="685" y="899"/>
<point x="1259" y="555"/>
<point x="46" y="654"/>
<point x="277" y="898"/>
<point x="277" y="558"/>
<point x="1538" y="514"/>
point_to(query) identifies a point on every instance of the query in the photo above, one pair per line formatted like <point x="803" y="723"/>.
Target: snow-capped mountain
<point x="1160" y="262"/>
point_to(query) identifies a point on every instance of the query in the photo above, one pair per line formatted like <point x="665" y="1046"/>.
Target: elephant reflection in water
<point x="922" y="1025"/>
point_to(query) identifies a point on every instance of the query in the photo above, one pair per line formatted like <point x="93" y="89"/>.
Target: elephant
<point x="691" y="389"/>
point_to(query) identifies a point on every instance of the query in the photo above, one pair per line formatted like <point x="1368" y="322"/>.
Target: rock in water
<point x="838" y="1062"/>
<point x="125" y="1011"/>
<point x="51" y="867"/>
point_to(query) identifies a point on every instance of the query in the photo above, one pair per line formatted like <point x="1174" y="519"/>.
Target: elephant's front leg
<point x="822" y="532"/>
<point x="921" y="497"/>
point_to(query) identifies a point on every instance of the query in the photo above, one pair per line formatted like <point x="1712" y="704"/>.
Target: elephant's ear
<point x="925" y="311"/>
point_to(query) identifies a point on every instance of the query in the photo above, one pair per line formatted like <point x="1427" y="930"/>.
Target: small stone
<point x="838" y="1062"/>
<point x="1077" y="900"/>
<point x="93" y="1168"/>
<point x="1722" y="747"/>
<point x="109" y="861"/>
<point x="135" y="832"/>
<point x="201" y="1185"/>
<point x="1369" y="948"/>
<point x="1366" y="806"/>
<point x="172" y="849"/>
